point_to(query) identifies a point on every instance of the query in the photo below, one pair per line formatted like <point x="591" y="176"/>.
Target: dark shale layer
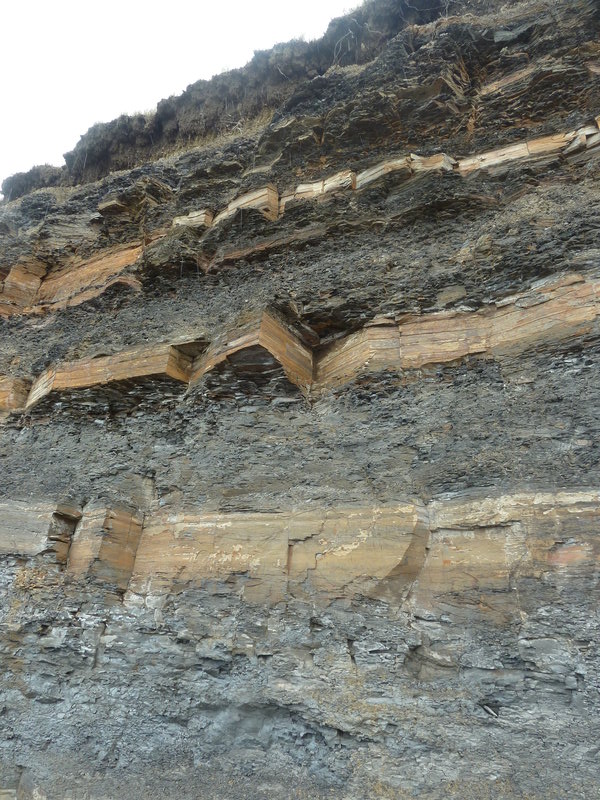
<point x="299" y="443"/>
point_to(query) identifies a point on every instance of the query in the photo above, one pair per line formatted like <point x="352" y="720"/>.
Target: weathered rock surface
<point x="299" y="443"/>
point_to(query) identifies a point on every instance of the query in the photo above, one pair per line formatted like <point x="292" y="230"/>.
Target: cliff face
<point x="299" y="438"/>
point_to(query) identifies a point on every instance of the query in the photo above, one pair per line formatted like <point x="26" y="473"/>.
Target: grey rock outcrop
<point x="299" y="436"/>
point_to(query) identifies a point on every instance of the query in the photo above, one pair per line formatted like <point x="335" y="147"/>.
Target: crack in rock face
<point x="298" y="426"/>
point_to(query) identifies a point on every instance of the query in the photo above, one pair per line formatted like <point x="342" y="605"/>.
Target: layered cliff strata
<point x="298" y="421"/>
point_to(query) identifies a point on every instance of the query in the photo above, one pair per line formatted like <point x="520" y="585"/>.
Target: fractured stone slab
<point x="264" y="200"/>
<point x="195" y="219"/>
<point x="426" y="555"/>
<point x="155" y="360"/>
<point x="13" y="392"/>
<point x="32" y="529"/>
<point x="105" y="545"/>
<point x="552" y="310"/>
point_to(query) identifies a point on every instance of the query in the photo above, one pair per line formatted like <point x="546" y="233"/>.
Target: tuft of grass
<point x="244" y="128"/>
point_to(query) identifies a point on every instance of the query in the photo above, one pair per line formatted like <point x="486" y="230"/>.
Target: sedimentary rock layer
<point x="425" y="551"/>
<point x="433" y="572"/>
<point x="299" y="466"/>
<point x="563" y="310"/>
<point x="78" y="282"/>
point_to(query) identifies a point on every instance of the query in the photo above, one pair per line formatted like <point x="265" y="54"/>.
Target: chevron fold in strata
<point x="267" y="332"/>
<point x="28" y="289"/>
<point x="553" y="310"/>
<point x="445" y="549"/>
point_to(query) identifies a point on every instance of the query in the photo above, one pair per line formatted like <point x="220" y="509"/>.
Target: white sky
<point x="67" y="64"/>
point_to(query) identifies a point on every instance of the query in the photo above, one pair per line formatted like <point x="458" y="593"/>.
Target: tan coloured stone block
<point x="375" y="348"/>
<point x="466" y="571"/>
<point x="346" y="179"/>
<point x="494" y="158"/>
<point x="155" y="360"/>
<point x="265" y="200"/>
<point x="479" y="548"/>
<point x="287" y="347"/>
<point x="105" y="545"/>
<point x="439" y="554"/>
<point x="78" y="276"/>
<point x="24" y="527"/>
<point x="87" y="540"/>
<point x="13" y="392"/>
<point x="437" y="163"/>
<point x="309" y="191"/>
<point x="208" y="547"/>
<point x="549" y="144"/>
<point x="551" y="311"/>
<point x="440" y="338"/>
<point x="331" y="553"/>
<point x="456" y="554"/>
<point x="122" y="529"/>
<point x="32" y="529"/>
<point x="195" y="219"/>
<point x="379" y="171"/>
<point x="342" y="552"/>
<point x="21" y="285"/>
